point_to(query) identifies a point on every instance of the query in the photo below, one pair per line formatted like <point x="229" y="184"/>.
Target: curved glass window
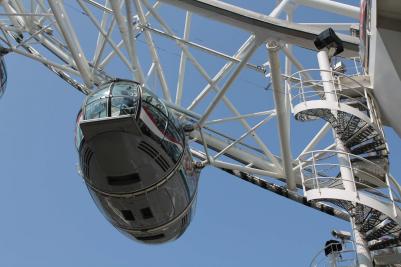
<point x="96" y="109"/>
<point x="153" y="100"/>
<point x="123" y="99"/>
<point x="113" y="99"/>
<point x="155" y="117"/>
<point x="173" y="142"/>
<point x="78" y="132"/>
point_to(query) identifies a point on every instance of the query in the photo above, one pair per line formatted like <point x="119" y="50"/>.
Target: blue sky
<point x="49" y="219"/>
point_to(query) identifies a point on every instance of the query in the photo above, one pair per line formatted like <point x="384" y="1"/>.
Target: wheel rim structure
<point x="241" y="126"/>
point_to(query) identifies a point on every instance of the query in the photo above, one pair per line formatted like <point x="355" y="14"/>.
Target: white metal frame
<point x="54" y="41"/>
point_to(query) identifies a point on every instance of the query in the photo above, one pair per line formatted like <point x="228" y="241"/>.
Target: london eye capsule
<point x="3" y="76"/>
<point x="135" y="162"/>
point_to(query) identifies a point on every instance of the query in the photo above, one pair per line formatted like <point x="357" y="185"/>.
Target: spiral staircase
<point x="367" y="192"/>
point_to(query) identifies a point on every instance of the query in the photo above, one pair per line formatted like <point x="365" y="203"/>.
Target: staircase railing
<point x="343" y="258"/>
<point x="322" y="169"/>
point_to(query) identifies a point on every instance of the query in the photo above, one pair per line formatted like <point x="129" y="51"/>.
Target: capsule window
<point x="123" y="180"/>
<point x="127" y="214"/>
<point x="96" y="109"/>
<point x="113" y="100"/>
<point x="147" y="213"/>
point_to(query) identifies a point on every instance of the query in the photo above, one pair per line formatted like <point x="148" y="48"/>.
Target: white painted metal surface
<point x="233" y="123"/>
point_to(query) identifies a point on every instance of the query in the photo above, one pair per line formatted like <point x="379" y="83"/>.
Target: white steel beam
<point x="106" y="36"/>
<point x="228" y="84"/>
<point x="203" y="72"/>
<point x="45" y="61"/>
<point x="249" y="170"/>
<point x="202" y="48"/>
<point x="280" y="8"/>
<point x="112" y="53"/>
<point x="11" y="13"/>
<point x="234" y="152"/>
<point x="222" y="72"/>
<point x="71" y="39"/>
<point x="267" y="28"/>
<point x="183" y="60"/>
<point x="128" y="42"/>
<point x="283" y="116"/>
<point x="252" y="130"/>
<point x="333" y="25"/>
<point x="153" y="51"/>
<point x="239" y="154"/>
<point x="102" y="7"/>
<point x="19" y="21"/>
<point x="251" y="115"/>
<point x="101" y="40"/>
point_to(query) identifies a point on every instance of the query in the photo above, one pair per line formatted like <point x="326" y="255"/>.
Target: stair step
<point x="362" y="213"/>
<point x="380" y="230"/>
<point x="377" y="148"/>
<point x="374" y="219"/>
<point x="385" y="244"/>
<point x="371" y="173"/>
<point x="364" y="135"/>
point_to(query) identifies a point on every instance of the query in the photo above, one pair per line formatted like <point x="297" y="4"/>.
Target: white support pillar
<point x="361" y="247"/>
<point x="362" y="252"/>
<point x="333" y="259"/>
<point x="183" y="60"/>
<point x="283" y="116"/>
<point x="330" y="95"/>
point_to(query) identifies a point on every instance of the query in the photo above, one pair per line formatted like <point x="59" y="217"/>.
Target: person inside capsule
<point x="136" y="162"/>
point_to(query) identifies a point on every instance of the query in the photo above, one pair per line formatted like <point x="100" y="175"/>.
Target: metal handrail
<point x="314" y="262"/>
<point x="310" y="95"/>
<point x="315" y="87"/>
<point x="375" y="192"/>
<point x="338" y="74"/>
<point x="314" y="182"/>
<point x="339" y="152"/>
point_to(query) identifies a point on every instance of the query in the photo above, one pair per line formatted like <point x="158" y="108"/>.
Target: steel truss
<point x="245" y="132"/>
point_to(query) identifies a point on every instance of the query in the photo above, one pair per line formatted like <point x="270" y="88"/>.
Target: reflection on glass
<point x="125" y="89"/>
<point x="78" y="132"/>
<point x="112" y="100"/>
<point x="154" y="101"/>
<point x="156" y="116"/>
<point x="96" y="109"/>
<point x="122" y="106"/>
<point x="102" y="93"/>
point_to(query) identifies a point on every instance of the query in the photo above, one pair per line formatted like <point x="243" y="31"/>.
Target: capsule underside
<point x="3" y="76"/>
<point x="136" y="163"/>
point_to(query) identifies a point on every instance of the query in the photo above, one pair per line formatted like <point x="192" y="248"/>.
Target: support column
<point x="362" y="251"/>
<point x="361" y="248"/>
<point x="333" y="259"/>
<point x="282" y="108"/>
<point x="330" y="96"/>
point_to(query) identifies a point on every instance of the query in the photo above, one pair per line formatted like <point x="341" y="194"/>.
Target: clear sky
<point x="49" y="219"/>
